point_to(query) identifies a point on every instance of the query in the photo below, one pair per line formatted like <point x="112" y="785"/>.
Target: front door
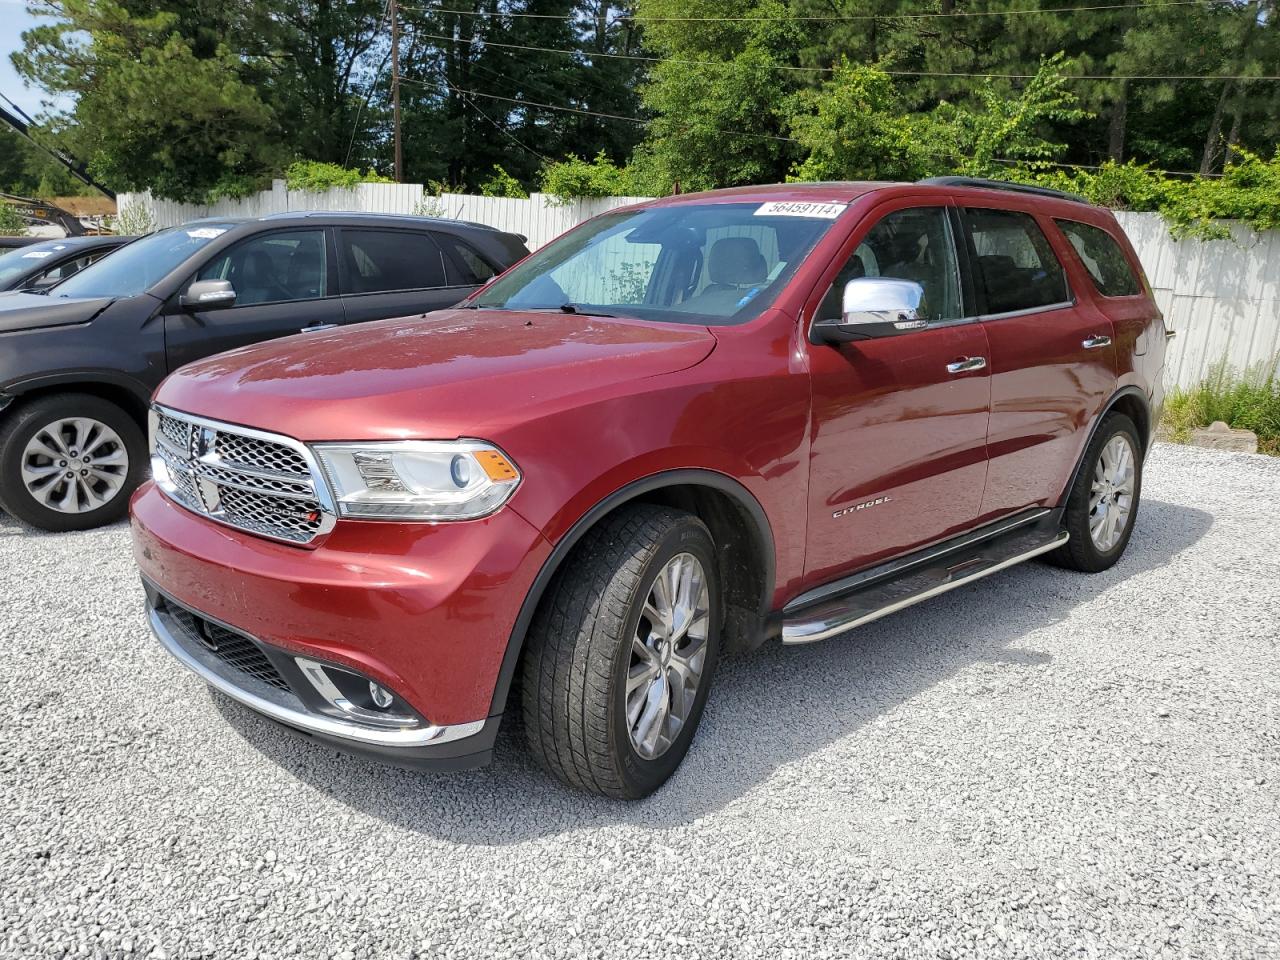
<point x="283" y="283"/>
<point x="1052" y="359"/>
<point x="898" y="454"/>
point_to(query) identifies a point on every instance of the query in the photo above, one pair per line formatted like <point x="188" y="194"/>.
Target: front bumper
<point x="424" y="610"/>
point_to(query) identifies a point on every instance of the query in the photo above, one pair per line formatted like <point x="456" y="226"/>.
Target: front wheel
<point x="69" y="462"/>
<point x="1103" y="503"/>
<point x="621" y="653"/>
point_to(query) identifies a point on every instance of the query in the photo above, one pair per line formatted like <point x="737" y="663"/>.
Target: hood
<point x="31" y="311"/>
<point x="445" y="374"/>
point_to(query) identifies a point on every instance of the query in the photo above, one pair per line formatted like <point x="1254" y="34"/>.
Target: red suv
<point x="682" y="429"/>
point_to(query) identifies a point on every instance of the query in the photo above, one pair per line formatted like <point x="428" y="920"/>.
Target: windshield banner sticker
<point x="205" y="233"/>
<point x="36" y="254"/>
<point x="800" y="208"/>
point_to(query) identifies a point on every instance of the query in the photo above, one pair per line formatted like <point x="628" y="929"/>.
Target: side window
<point x="63" y="270"/>
<point x="914" y="244"/>
<point x="463" y="264"/>
<point x="1103" y="258"/>
<point x="379" y="261"/>
<point x="1013" y="262"/>
<point x="273" y="267"/>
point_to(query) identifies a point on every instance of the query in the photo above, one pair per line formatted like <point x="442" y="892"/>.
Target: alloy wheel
<point x="75" y="465"/>
<point x="668" y="653"/>
<point x="1111" y="496"/>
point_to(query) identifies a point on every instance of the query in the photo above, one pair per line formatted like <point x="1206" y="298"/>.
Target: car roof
<point x="351" y="218"/>
<point x="848" y="191"/>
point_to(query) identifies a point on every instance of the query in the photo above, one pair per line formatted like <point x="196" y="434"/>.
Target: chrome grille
<point x="242" y="478"/>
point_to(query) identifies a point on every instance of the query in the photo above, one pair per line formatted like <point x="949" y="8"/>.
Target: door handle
<point x="1092" y="343"/>
<point x="317" y="327"/>
<point x="966" y="364"/>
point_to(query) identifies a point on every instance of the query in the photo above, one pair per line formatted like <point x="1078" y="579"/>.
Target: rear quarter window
<point x="1102" y="258"/>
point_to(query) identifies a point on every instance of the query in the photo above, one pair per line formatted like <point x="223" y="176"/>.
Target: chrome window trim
<point x="319" y="483"/>
<point x="312" y="723"/>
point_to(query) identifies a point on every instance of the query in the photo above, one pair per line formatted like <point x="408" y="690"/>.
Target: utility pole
<point x="395" y="87"/>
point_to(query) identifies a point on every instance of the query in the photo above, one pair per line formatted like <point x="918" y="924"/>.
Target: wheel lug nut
<point x="70" y="475"/>
<point x="62" y="463"/>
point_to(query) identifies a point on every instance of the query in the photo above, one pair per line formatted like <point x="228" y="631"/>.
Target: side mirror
<point x="874" y="307"/>
<point x="208" y="295"/>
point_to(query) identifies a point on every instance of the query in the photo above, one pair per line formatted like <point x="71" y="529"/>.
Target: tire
<point x="101" y="493"/>
<point x="1084" y="551"/>
<point x="580" y="654"/>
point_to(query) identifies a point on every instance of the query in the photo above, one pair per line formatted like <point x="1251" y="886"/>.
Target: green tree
<point x="149" y="111"/>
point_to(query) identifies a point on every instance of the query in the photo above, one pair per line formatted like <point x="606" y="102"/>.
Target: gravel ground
<point x="1044" y="764"/>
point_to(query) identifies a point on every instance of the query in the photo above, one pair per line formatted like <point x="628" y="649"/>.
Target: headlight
<point x="418" y="479"/>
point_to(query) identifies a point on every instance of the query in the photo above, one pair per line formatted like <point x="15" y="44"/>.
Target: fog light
<point x="380" y="695"/>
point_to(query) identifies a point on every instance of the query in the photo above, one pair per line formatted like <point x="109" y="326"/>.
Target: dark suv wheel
<point x="69" y="462"/>
<point x="621" y="652"/>
<point x="1103" y="503"/>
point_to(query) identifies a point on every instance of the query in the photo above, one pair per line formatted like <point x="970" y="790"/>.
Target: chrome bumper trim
<point x="425" y="736"/>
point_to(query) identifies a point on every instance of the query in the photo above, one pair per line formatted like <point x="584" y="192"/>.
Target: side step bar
<point x="885" y="595"/>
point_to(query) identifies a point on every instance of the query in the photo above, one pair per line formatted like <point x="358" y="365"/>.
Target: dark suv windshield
<point x="715" y="263"/>
<point x="135" y="267"/>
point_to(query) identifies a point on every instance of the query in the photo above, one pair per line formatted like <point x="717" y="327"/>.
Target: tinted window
<point x="1013" y="262"/>
<point x="913" y="245"/>
<point x="464" y="264"/>
<point x="1103" y="258"/>
<point x="379" y="260"/>
<point x="273" y="267"/>
<point x="137" y="265"/>
<point x="690" y="262"/>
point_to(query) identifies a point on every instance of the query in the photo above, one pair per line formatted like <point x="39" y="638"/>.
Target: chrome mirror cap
<point x="875" y="307"/>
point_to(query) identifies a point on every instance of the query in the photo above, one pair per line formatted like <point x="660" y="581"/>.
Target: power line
<point x="497" y="126"/>
<point x="597" y="113"/>
<point x="789" y="67"/>
<point x="840" y="18"/>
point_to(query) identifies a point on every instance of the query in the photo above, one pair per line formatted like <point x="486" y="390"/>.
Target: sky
<point x="13" y="20"/>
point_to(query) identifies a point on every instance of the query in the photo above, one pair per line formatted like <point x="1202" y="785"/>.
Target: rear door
<point x="388" y="272"/>
<point x="1052" y="356"/>
<point x="284" y="284"/>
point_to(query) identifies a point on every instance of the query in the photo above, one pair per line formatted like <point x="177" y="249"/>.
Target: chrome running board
<point x="880" y="596"/>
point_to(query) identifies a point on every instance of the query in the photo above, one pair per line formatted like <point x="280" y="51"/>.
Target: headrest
<point x="736" y="261"/>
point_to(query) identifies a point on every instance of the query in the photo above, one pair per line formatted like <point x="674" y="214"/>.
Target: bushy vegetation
<point x="574" y="178"/>
<point x="1248" y="191"/>
<point x="1245" y="401"/>
<point x="11" y="225"/>
<point x="502" y="184"/>
<point x="133" y="220"/>
<point x="315" y="175"/>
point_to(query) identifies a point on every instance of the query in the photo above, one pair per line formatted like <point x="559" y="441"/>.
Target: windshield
<point x="135" y="267"/>
<point x="15" y="263"/>
<point x="712" y="263"/>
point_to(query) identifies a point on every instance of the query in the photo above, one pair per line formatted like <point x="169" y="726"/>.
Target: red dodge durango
<point x="681" y="430"/>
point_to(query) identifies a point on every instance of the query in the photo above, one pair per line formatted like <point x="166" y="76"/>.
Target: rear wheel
<point x="1103" y="503"/>
<point x="69" y="462"/>
<point x="621" y="653"/>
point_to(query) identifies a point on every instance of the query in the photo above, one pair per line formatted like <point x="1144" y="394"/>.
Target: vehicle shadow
<point x="772" y="708"/>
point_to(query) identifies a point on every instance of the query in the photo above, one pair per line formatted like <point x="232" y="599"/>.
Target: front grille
<point x="246" y="480"/>
<point x="234" y="649"/>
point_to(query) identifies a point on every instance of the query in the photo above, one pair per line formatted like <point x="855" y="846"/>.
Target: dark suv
<point x="78" y="362"/>
<point x="678" y="431"/>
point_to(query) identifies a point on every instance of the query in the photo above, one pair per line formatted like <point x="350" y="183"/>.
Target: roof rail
<point x="1002" y="185"/>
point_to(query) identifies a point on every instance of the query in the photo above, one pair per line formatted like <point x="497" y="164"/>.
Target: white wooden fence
<point x="540" y="218"/>
<point x="1222" y="296"/>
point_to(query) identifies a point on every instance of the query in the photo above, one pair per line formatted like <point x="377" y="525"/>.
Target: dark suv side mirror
<point x="875" y="307"/>
<point x="208" y="295"/>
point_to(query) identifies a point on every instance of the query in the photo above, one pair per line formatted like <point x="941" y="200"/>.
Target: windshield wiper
<point x="575" y="308"/>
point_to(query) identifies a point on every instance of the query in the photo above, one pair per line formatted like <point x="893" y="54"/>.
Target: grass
<point x="1245" y="401"/>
